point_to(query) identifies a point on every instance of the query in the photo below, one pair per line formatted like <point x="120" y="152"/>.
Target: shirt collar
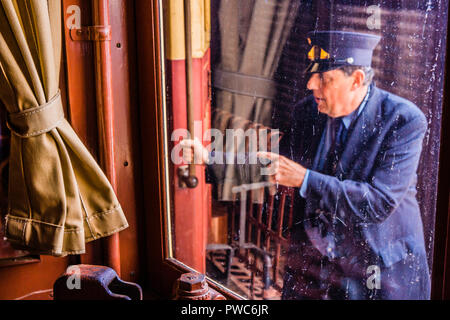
<point x="348" y="119"/>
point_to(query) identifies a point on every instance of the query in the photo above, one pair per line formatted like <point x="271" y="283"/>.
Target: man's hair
<point x="368" y="71"/>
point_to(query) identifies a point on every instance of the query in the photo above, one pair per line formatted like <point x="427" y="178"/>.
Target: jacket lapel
<point x="314" y="144"/>
<point x="359" y="134"/>
<point x="307" y="134"/>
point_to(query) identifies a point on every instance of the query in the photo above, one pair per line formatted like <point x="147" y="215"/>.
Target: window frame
<point x="162" y="270"/>
<point x="440" y="273"/>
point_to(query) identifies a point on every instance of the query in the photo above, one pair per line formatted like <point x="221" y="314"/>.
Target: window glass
<point x="320" y="126"/>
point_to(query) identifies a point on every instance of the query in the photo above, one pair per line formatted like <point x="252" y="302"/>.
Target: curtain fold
<point x="58" y="197"/>
<point x="253" y="35"/>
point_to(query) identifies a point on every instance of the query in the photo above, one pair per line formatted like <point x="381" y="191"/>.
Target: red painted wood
<point x="80" y="76"/>
<point x="127" y="146"/>
<point x="192" y="207"/>
<point x="78" y="59"/>
<point x="105" y="118"/>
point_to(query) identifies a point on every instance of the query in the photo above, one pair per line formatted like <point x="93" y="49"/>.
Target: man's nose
<point x="313" y="82"/>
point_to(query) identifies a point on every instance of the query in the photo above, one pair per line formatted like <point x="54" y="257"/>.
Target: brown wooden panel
<point x="126" y="136"/>
<point x="83" y="117"/>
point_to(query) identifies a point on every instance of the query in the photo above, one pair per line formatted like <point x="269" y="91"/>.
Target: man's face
<point x="332" y="91"/>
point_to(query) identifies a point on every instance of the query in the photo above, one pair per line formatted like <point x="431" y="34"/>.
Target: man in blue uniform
<point x="353" y="153"/>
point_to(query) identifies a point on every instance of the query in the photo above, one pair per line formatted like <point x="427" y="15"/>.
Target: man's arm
<point x="373" y="201"/>
<point x="367" y="201"/>
<point x="247" y="168"/>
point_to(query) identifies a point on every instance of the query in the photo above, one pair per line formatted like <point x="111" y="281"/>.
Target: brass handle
<point x="185" y="178"/>
<point x="190" y="179"/>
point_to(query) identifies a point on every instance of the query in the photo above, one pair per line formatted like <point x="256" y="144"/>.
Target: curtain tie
<point x="36" y="121"/>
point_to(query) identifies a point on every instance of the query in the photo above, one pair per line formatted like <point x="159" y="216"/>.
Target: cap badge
<point x="317" y="53"/>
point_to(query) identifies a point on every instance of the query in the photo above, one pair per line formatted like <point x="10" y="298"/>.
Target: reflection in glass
<point x="361" y="230"/>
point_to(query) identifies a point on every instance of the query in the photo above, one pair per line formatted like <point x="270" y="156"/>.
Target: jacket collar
<point x="348" y="120"/>
<point x="360" y="131"/>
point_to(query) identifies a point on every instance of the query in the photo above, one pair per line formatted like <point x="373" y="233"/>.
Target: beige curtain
<point x="58" y="197"/>
<point x="253" y="34"/>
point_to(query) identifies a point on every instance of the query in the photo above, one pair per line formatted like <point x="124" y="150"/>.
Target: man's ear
<point x="358" y="78"/>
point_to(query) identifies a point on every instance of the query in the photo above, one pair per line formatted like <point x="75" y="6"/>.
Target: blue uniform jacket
<point x="374" y="189"/>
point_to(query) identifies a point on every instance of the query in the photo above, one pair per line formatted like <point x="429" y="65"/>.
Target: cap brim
<point x="318" y="67"/>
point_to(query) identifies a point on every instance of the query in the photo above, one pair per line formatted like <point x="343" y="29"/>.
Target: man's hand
<point x="284" y="171"/>
<point x="200" y="154"/>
